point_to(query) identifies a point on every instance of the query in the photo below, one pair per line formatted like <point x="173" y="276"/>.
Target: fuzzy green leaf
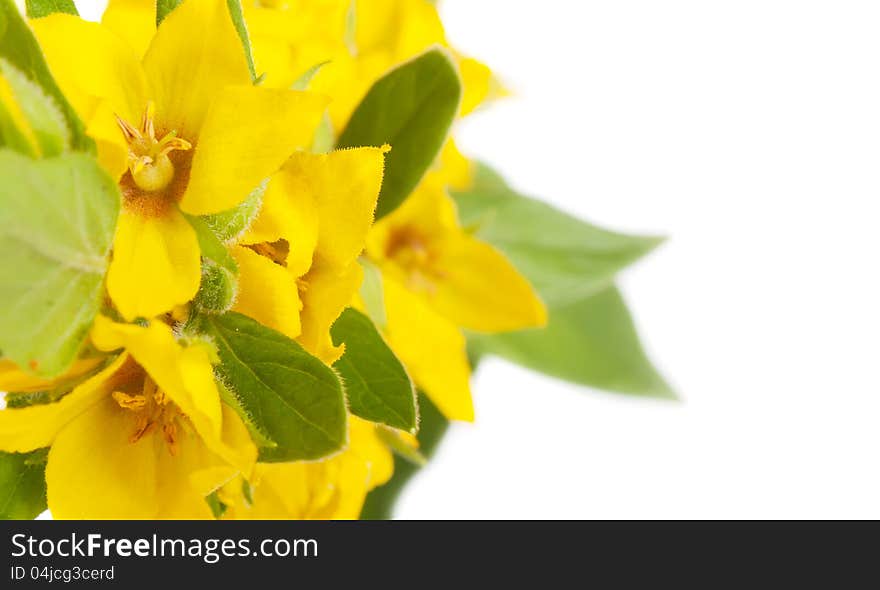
<point x="44" y="119"/>
<point x="379" y="390"/>
<point x="229" y="225"/>
<point x="288" y="394"/>
<point x="411" y="109"/>
<point x="22" y="485"/>
<point x="19" y="47"/>
<point x="41" y="8"/>
<point x="237" y="15"/>
<point x="57" y="220"/>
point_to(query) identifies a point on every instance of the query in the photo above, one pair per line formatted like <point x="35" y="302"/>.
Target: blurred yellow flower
<point x="184" y="130"/>
<point x="147" y="437"/>
<point x="331" y="489"/>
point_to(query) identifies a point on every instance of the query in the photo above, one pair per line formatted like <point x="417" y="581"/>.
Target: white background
<point x="748" y="132"/>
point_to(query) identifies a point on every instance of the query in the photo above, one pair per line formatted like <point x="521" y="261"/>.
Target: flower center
<point x="155" y="413"/>
<point x="412" y="253"/>
<point x="148" y="161"/>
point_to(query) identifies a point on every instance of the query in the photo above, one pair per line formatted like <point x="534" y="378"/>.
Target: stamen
<point x="148" y="161"/>
<point x="129" y="402"/>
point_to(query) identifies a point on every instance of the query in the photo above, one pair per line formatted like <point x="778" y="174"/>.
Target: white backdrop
<point x="749" y="132"/>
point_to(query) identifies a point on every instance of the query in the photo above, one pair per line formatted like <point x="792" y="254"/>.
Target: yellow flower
<point x="331" y="489"/>
<point x="439" y="279"/>
<point x="183" y="129"/>
<point x="298" y="260"/>
<point x="145" y="438"/>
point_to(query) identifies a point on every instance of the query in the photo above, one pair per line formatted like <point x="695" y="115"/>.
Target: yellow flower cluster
<point x="181" y="126"/>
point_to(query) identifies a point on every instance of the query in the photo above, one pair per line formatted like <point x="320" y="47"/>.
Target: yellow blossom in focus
<point x="183" y="129"/>
<point x="147" y="437"/>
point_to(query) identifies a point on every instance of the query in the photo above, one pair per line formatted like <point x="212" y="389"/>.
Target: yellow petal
<point x="112" y="147"/>
<point x="455" y="170"/>
<point x="247" y="135"/>
<point x="477" y="80"/>
<point x="402" y="27"/>
<point x="194" y="55"/>
<point x="100" y="67"/>
<point x="290" y="213"/>
<point x="132" y="20"/>
<point x="14" y="379"/>
<point x="345" y="185"/>
<point x="431" y="348"/>
<point x="366" y="445"/>
<point x="185" y="374"/>
<point x="481" y="290"/>
<point x="156" y="263"/>
<point x="95" y="472"/>
<point x="35" y="427"/>
<point x="327" y="292"/>
<point x="267" y="292"/>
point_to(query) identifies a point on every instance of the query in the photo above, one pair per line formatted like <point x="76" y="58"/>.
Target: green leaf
<point x="302" y="83"/>
<point x="57" y="220"/>
<point x="291" y="396"/>
<point x="41" y="8"/>
<point x="411" y="109"/>
<point x="566" y="259"/>
<point x="591" y="342"/>
<point x="164" y="8"/>
<point x="44" y="119"/>
<point x="22" y="485"/>
<point x="229" y="225"/>
<point x="237" y="15"/>
<point x="380" y="502"/>
<point x="20" y="48"/>
<point x="379" y="390"/>
<point x="211" y="246"/>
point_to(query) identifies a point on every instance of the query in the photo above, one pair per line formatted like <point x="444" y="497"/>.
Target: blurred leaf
<point x="373" y="293"/>
<point x="566" y="259"/>
<point x="43" y="119"/>
<point x="22" y="485"/>
<point x="411" y="109"/>
<point x="591" y="342"/>
<point x="432" y="426"/>
<point x="291" y="396"/>
<point x="57" y="218"/>
<point x="378" y="388"/>
<point x="302" y="83"/>
<point x="41" y="8"/>
<point x="20" y="48"/>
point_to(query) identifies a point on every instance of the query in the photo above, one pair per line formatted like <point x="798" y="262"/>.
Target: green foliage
<point x="302" y="83"/>
<point x="22" y="485"/>
<point x="41" y="8"/>
<point x="237" y="15"/>
<point x="58" y="217"/>
<point x="373" y="293"/>
<point x="378" y="387"/>
<point x="590" y="338"/>
<point x="19" y="47"/>
<point x="591" y="342"/>
<point x="411" y="109"/>
<point x="566" y="259"/>
<point x="290" y="396"/>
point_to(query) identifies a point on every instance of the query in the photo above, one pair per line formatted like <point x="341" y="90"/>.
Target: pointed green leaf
<point x="591" y="342"/>
<point x="411" y="109"/>
<point x="41" y="8"/>
<point x="302" y="83"/>
<point x="237" y="15"/>
<point x="22" y="485"/>
<point x="379" y="390"/>
<point x="288" y="394"/>
<point x="57" y="220"/>
<point x="566" y="259"/>
<point x="20" y="48"/>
